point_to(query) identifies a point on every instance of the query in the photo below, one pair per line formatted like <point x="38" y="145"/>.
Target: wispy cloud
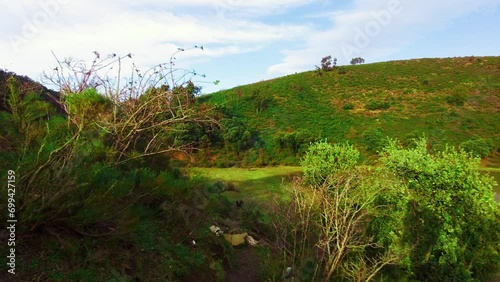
<point x="151" y="29"/>
<point x="375" y="29"/>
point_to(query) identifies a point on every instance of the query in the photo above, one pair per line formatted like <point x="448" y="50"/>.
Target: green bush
<point x="294" y="142"/>
<point x="478" y="147"/>
<point x="451" y="230"/>
<point x="323" y="159"/>
<point x="348" y="107"/>
<point x="374" y="140"/>
<point x="456" y="99"/>
<point x="87" y="104"/>
<point x="377" y="105"/>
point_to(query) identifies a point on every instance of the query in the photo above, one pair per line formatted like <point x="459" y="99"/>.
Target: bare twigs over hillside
<point x="143" y="114"/>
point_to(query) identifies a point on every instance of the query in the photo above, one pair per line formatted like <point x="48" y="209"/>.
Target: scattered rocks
<point x="237" y="239"/>
<point x="216" y="230"/>
<point x="251" y="241"/>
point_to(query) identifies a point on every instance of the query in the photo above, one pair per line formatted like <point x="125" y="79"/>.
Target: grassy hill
<point x="450" y="100"/>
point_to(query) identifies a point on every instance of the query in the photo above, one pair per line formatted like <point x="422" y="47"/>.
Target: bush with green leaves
<point x="451" y="220"/>
<point x="323" y="159"/>
<point x="374" y="140"/>
<point x="478" y="147"/>
<point x="348" y="107"/>
<point x="377" y="105"/>
<point x="87" y="104"/>
<point x="294" y="142"/>
<point x="261" y="100"/>
<point x="459" y="95"/>
<point x="456" y="99"/>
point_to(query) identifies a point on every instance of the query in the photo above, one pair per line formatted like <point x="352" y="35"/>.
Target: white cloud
<point x="375" y="29"/>
<point x="150" y="29"/>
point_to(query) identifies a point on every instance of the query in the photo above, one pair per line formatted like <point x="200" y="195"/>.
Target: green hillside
<point x="450" y="100"/>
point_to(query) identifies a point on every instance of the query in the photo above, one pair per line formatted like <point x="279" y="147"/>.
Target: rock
<point x="216" y="230"/>
<point x="251" y="241"/>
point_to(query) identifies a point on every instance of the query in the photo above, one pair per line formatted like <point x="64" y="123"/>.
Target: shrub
<point x="324" y="230"/>
<point x="323" y="159"/>
<point x="451" y="228"/>
<point x="456" y="99"/>
<point x="458" y="95"/>
<point x="374" y="140"/>
<point x="348" y="107"/>
<point x="377" y="105"/>
<point x="478" y="147"/>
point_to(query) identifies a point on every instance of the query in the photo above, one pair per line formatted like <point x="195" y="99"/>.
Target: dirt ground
<point x="246" y="268"/>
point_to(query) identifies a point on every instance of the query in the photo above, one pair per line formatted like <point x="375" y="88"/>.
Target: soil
<point x="246" y="268"/>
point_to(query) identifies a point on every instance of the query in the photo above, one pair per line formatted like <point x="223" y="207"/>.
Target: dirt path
<point x="246" y="268"/>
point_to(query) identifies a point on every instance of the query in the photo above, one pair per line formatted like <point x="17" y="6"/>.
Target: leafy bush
<point x="294" y="142"/>
<point x="374" y="140"/>
<point x="411" y="139"/>
<point x="450" y="208"/>
<point x="479" y="147"/>
<point x="261" y="100"/>
<point x="456" y="99"/>
<point x="348" y="107"/>
<point x="377" y="105"/>
<point x="323" y="159"/>
<point x="458" y="95"/>
<point x="237" y="137"/>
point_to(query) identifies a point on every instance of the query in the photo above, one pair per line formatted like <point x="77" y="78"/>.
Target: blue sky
<point x="244" y="41"/>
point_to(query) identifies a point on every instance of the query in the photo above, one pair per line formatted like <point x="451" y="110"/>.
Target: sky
<point x="243" y="41"/>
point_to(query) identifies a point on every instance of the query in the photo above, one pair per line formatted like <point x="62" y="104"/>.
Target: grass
<point x="253" y="184"/>
<point x="256" y="184"/>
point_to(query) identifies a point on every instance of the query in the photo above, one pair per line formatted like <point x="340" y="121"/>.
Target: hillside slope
<point x="450" y="100"/>
<point x="27" y="86"/>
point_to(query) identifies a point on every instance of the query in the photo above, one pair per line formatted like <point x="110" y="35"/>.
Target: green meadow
<point x="254" y="184"/>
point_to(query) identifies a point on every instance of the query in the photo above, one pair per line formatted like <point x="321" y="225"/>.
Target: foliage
<point x="374" y="140"/>
<point x="357" y="60"/>
<point x="451" y="220"/>
<point x="236" y="136"/>
<point x="480" y="147"/>
<point x="377" y="105"/>
<point x="348" y="107"/>
<point x="456" y="99"/>
<point x="295" y="142"/>
<point x="459" y="95"/>
<point x="327" y="64"/>
<point x="323" y="231"/>
<point x="323" y="159"/>
<point x="262" y="101"/>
